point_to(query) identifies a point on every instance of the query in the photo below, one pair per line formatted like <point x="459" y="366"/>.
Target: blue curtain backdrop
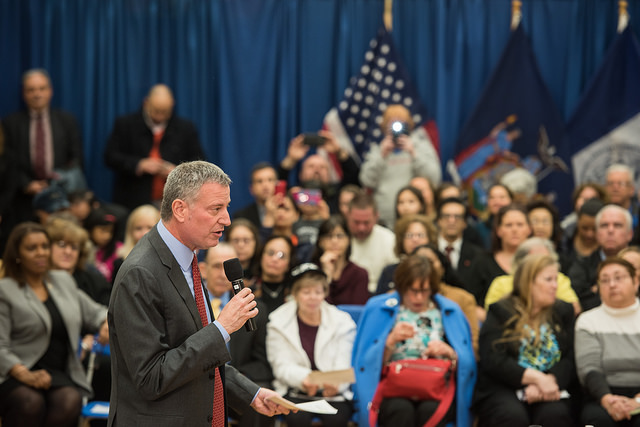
<point x="254" y="73"/>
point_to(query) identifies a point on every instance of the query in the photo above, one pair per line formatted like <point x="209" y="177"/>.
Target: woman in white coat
<point x="308" y="334"/>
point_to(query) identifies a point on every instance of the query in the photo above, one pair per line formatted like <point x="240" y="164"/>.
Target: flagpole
<point x="516" y="13"/>
<point x="388" y="14"/>
<point x="623" y="15"/>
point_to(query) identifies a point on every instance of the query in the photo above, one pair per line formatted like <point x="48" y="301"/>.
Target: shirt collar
<point x="182" y="254"/>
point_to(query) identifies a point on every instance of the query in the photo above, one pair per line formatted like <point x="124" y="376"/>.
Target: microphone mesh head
<point x="233" y="269"/>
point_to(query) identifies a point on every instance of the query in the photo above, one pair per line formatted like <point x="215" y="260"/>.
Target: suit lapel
<point x="174" y="273"/>
<point x="38" y="307"/>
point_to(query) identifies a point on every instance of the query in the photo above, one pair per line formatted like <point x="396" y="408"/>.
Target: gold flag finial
<point x="623" y="15"/>
<point x="516" y="13"/>
<point x="388" y="14"/>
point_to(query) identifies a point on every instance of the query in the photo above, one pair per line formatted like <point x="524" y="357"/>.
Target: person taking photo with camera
<point x="400" y="156"/>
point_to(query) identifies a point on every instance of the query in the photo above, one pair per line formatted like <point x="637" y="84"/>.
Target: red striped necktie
<point x="218" y="391"/>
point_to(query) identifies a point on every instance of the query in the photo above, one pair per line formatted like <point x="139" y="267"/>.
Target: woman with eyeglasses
<point x="70" y="251"/>
<point x="242" y="234"/>
<point x="42" y="314"/>
<point x="607" y="345"/>
<point x="272" y="284"/>
<point x="411" y="231"/>
<point x="412" y="322"/>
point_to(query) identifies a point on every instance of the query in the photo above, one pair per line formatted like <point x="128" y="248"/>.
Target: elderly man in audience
<point x="613" y="233"/>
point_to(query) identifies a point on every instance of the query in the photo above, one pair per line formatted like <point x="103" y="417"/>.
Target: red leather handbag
<point x="419" y="379"/>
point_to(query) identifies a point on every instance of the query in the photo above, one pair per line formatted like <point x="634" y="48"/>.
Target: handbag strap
<point x="445" y="403"/>
<point x="438" y="415"/>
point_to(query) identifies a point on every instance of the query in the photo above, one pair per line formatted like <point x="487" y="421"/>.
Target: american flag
<point x="382" y="81"/>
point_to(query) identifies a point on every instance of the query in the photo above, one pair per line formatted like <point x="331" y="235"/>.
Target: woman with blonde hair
<point x="140" y="221"/>
<point x="526" y="352"/>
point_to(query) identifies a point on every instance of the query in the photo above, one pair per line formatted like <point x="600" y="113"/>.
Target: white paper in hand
<point x="317" y="407"/>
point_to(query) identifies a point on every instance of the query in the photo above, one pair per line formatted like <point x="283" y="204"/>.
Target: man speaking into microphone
<point x="168" y="352"/>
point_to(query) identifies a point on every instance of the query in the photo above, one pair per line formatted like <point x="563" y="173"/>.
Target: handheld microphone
<point x="233" y="271"/>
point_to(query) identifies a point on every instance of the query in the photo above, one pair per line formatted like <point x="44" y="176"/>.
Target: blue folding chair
<point x="95" y="410"/>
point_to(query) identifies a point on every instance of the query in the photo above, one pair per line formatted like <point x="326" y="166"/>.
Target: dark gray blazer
<point x="162" y="360"/>
<point x="25" y="323"/>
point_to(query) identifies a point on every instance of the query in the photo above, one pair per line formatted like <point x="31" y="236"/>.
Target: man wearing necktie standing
<point x="168" y="350"/>
<point x="145" y="146"/>
<point x="40" y="140"/>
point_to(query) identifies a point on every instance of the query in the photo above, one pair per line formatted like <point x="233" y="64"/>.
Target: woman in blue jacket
<point x="410" y="323"/>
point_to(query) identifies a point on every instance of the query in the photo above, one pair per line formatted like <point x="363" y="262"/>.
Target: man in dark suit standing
<point x="452" y="221"/>
<point x="41" y="141"/>
<point x="145" y="146"/>
<point x="168" y="351"/>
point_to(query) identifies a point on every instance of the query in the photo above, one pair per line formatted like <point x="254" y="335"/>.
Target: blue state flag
<point x="515" y="124"/>
<point x="605" y="127"/>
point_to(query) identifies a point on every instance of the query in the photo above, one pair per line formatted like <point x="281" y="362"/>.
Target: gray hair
<point x="620" y="209"/>
<point x="527" y="246"/>
<point x="521" y="181"/>
<point x="620" y="167"/>
<point x="185" y="181"/>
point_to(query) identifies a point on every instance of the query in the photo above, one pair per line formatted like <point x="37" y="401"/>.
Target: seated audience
<point x="43" y="314"/>
<point x="263" y="184"/>
<point x="409" y="201"/>
<point x="510" y="230"/>
<point x="526" y="352"/>
<point x="272" y="283"/>
<point x="464" y="299"/>
<point x="582" y="193"/>
<point x="308" y="334"/>
<point x="606" y="346"/>
<point x="453" y="240"/>
<point x="348" y="283"/>
<point x="371" y="244"/>
<point x="580" y="240"/>
<point x="428" y="194"/>
<point x="413" y="322"/>
<point x="545" y="221"/>
<point x="613" y="233"/>
<point x="140" y="221"/>
<point x="70" y="249"/>
<point x="632" y="255"/>
<point x="346" y="195"/>
<point x="52" y="199"/>
<point x="410" y="232"/>
<point x="502" y="286"/>
<point x="313" y="212"/>
<point x="621" y="189"/>
<point x="101" y="226"/>
<point x="498" y="196"/>
<point x="243" y="236"/>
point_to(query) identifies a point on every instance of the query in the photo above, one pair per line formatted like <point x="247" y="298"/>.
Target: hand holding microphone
<point x="233" y="271"/>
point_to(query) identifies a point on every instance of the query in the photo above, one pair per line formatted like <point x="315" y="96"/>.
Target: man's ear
<point x="180" y="210"/>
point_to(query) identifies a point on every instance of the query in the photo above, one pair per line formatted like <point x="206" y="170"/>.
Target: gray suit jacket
<point x="162" y="360"/>
<point x="25" y="323"/>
